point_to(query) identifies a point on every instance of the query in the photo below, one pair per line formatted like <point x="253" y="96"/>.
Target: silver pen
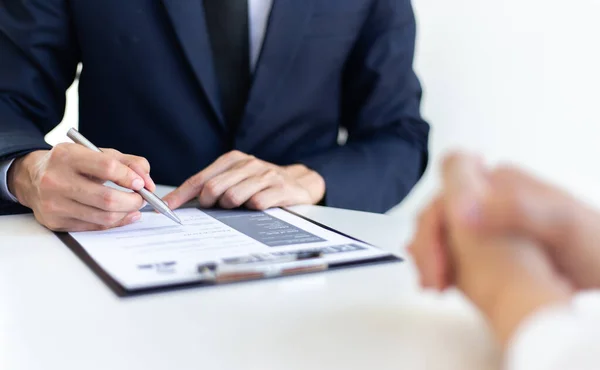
<point x="148" y="196"/>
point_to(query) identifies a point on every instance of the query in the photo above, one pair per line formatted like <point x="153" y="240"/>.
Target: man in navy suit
<point x="250" y="93"/>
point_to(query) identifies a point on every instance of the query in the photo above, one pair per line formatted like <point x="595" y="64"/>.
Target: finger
<point x="297" y="170"/>
<point x="138" y="164"/>
<point x="193" y="186"/>
<point x="420" y="247"/>
<point x="444" y="277"/>
<point x="131" y="218"/>
<point x="103" y="197"/>
<point x="96" y="216"/>
<point x="70" y="225"/>
<point x="519" y="203"/>
<point x="416" y="250"/>
<point x="442" y="270"/>
<point x="148" y="182"/>
<point x="105" y="167"/>
<point x="239" y="194"/>
<point x="58" y="223"/>
<point x="214" y="188"/>
<point x="278" y="196"/>
<point x="127" y="220"/>
<point x="74" y="225"/>
<point x="429" y="248"/>
<point x="464" y="188"/>
<point x="81" y="189"/>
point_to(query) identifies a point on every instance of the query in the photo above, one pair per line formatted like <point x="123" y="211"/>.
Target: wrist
<point x="520" y="294"/>
<point x="522" y="300"/>
<point x="509" y="282"/>
<point x="19" y="178"/>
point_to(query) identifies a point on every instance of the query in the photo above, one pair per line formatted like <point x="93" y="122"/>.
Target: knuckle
<point x="300" y="168"/>
<point x="271" y="173"/>
<point x="278" y="179"/>
<point x="143" y="162"/>
<point x="234" y="155"/>
<point x="109" y="167"/>
<point x="274" y="176"/>
<point x="110" y="218"/>
<point x="233" y="198"/>
<point x="257" y="202"/>
<point x="254" y="162"/>
<point x="108" y="199"/>
<point x="195" y="182"/>
<point x="211" y="188"/>
<point x="110" y="151"/>
<point x="229" y="155"/>
<point x="138" y="161"/>
<point x="60" y="152"/>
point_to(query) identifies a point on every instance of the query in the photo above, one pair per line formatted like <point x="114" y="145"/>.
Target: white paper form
<point x="156" y="252"/>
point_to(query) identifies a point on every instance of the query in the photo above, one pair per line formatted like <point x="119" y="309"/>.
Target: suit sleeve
<point x="38" y="62"/>
<point x="386" y="151"/>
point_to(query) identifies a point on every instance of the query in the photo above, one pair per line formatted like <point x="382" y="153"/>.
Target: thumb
<point x="465" y="186"/>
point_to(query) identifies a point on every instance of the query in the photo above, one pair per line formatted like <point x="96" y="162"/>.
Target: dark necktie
<point x="227" y="22"/>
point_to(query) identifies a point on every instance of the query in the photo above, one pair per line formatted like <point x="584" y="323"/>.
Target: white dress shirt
<point x="4" y="193"/>
<point x="559" y="338"/>
<point x="258" y="15"/>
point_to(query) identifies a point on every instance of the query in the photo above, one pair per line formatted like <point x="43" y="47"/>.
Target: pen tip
<point x="173" y="217"/>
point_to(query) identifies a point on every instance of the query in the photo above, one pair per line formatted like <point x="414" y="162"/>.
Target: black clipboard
<point x="123" y="292"/>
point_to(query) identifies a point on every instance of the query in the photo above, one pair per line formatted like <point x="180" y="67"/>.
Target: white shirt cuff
<point x="559" y="337"/>
<point x="4" y="192"/>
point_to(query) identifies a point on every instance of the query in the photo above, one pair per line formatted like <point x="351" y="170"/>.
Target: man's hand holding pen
<point x="64" y="187"/>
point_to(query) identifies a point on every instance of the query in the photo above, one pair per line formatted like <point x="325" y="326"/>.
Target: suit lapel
<point x="189" y="24"/>
<point x="287" y="25"/>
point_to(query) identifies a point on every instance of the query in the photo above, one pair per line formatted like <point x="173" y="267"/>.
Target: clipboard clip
<point x="255" y="267"/>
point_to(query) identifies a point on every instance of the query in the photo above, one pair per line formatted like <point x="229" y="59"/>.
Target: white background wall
<point x="517" y="80"/>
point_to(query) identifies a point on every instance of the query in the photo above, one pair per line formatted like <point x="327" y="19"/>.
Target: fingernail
<point x="136" y="218"/>
<point x="144" y="205"/>
<point x="137" y="184"/>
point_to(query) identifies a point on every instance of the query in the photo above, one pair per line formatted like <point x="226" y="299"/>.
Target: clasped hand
<point x="511" y="243"/>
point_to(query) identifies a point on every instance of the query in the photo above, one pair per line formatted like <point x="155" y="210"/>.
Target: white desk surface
<point x="55" y="314"/>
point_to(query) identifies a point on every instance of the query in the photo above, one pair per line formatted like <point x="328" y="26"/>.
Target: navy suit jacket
<point x="148" y="87"/>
